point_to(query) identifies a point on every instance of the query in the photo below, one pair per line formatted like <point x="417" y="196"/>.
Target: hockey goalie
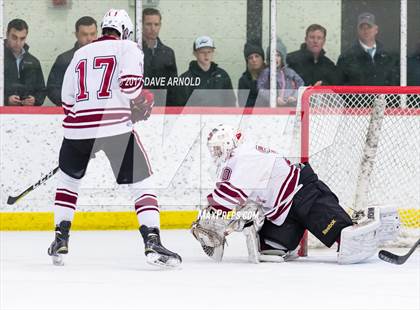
<point x="273" y="202"/>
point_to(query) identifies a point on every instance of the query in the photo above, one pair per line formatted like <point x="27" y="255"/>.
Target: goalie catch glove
<point x="210" y="230"/>
<point x="141" y="107"/>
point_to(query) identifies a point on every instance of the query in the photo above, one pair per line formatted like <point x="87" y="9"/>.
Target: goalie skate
<point x="60" y="244"/>
<point x="156" y="253"/>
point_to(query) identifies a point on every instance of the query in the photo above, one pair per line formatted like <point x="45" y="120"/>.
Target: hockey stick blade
<point x="13" y="199"/>
<point x="397" y="259"/>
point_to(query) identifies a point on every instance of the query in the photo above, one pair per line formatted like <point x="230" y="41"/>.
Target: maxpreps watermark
<point x="171" y="81"/>
<point x="230" y="215"/>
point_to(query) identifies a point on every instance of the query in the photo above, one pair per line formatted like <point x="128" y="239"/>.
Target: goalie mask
<point x="120" y="21"/>
<point x="221" y="142"/>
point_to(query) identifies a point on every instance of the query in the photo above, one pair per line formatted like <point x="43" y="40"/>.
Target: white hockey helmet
<point x="120" y="21"/>
<point x="222" y="140"/>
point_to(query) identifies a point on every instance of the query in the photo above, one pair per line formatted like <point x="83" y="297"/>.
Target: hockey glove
<point x="141" y="107"/>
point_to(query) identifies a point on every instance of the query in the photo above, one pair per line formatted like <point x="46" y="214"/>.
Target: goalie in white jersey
<point x="102" y="98"/>
<point x="284" y="200"/>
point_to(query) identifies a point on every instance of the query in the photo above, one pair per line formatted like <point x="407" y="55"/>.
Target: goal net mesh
<point x="335" y="131"/>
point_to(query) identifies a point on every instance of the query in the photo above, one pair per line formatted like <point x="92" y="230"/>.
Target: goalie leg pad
<point x="252" y="244"/>
<point x="390" y="224"/>
<point x="359" y="242"/>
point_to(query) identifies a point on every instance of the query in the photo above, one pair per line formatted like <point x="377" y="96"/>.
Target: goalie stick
<point x="397" y="259"/>
<point x="11" y="200"/>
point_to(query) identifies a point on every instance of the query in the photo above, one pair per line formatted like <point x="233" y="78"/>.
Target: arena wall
<point x="176" y="144"/>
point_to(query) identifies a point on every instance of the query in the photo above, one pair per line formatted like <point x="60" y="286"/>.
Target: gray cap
<point x="366" y="18"/>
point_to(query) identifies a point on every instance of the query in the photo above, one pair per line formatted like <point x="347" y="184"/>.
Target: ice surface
<point x="107" y="270"/>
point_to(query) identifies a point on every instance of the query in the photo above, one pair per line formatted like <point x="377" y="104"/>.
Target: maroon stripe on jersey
<point x="147" y="209"/>
<point x="280" y="211"/>
<point x="227" y="198"/>
<point x="67" y="105"/>
<point x="245" y="196"/>
<point x="101" y="110"/>
<point x="63" y="205"/>
<point x="130" y="76"/>
<point x="66" y="108"/>
<point x="95" y="117"/>
<point x="229" y="192"/>
<point x="130" y="90"/>
<point x="68" y="191"/>
<point x="289" y="176"/>
<point x="289" y="190"/>
<point x="96" y="125"/>
<point x="217" y="205"/>
<point x="130" y="83"/>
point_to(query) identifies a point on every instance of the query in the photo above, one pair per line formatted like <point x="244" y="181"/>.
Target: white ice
<point x="107" y="270"/>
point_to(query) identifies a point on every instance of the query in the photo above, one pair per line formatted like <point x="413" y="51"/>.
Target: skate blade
<point x="162" y="261"/>
<point x="57" y="260"/>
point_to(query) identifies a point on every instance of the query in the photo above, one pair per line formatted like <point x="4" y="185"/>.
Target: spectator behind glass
<point x="85" y="31"/>
<point x="23" y="79"/>
<point x="214" y="87"/>
<point x="247" y="86"/>
<point x="310" y="61"/>
<point x="413" y="68"/>
<point x="159" y="59"/>
<point x="288" y="81"/>
<point x="366" y="62"/>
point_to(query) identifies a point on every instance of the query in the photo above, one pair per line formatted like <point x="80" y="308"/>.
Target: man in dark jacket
<point x="23" y="79"/>
<point x="413" y="68"/>
<point x="247" y="86"/>
<point x="310" y="61"/>
<point x="205" y="84"/>
<point x="159" y="59"/>
<point x="86" y="32"/>
<point x="366" y="62"/>
<point x="413" y="76"/>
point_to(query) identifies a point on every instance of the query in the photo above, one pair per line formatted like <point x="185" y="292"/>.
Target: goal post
<point x="364" y="142"/>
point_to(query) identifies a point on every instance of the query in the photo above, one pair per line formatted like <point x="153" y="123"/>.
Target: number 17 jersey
<point x="98" y="85"/>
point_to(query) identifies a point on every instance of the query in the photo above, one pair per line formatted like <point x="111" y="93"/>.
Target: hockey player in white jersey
<point x="284" y="198"/>
<point x="102" y="97"/>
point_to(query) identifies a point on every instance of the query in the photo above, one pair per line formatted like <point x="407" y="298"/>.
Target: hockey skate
<point x="60" y="245"/>
<point x="156" y="253"/>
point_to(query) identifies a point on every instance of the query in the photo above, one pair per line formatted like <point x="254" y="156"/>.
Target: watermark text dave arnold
<point x="171" y="81"/>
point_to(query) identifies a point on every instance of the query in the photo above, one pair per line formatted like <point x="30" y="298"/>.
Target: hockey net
<point x="364" y="143"/>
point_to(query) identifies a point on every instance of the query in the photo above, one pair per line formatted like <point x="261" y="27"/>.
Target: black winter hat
<point x="250" y="48"/>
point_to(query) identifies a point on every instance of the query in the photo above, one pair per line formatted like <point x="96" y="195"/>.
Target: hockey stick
<point x="397" y="259"/>
<point x="11" y="200"/>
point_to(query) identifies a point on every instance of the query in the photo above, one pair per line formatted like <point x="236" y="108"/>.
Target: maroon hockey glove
<point x="141" y="107"/>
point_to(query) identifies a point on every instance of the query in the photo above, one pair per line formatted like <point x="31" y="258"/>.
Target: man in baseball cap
<point x="367" y="62"/>
<point x="212" y="85"/>
<point x="366" y="18"/>
<point x="367" y="31"/>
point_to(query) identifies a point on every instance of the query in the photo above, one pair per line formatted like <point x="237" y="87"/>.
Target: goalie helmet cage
<point x="364" y="143"/>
